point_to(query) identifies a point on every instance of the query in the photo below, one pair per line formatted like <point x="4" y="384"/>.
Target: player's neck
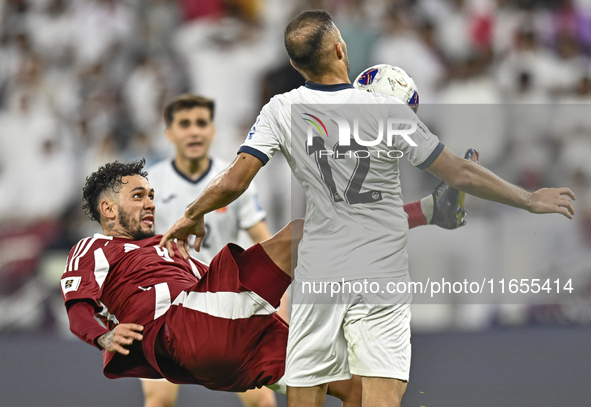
<point x="192" y="169"/>
<point x="111" y="228"/>
<point x="332" y="77"/>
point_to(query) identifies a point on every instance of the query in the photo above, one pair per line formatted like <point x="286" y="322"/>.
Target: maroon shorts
<point x="223" y="333"/>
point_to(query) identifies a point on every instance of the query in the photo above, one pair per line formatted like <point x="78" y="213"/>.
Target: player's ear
<point x="108" y="209"/>
<point x="339" y="50"/>
<point x="168" y="133"/>
<point x="292" y="64"/>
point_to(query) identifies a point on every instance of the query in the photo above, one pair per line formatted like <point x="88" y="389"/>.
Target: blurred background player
<point x="190" y="128"/>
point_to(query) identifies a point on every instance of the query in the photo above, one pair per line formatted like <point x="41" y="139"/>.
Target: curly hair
<point x="107" y="178"/>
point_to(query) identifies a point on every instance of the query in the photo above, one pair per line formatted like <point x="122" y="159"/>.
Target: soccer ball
<point x="390" y="81"/>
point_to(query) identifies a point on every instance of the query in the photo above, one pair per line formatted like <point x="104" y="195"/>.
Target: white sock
<point x="427" y="204"/>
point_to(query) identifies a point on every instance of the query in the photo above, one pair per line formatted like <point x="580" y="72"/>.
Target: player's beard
<point x="347" y="64"/>
<point x="126" y="221"/>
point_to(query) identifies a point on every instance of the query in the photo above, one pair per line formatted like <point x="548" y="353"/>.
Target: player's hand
<point x="181" y="230"/>
<point x="121" y="335"/>
<point x="553" y="200"/>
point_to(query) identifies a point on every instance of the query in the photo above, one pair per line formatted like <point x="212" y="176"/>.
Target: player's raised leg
<point x="159" y="393"/>
<point x="448" y="203"/>
<point x="444" y="207"/>
<point x="282" y="244"/>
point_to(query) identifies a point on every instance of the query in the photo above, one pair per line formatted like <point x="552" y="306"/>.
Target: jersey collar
<point x="328" y="88"/>
<point x="189" y="179"/>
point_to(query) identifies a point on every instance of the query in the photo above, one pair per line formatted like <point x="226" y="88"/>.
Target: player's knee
<point x="270" y="402"/>
<point x="159" y="393"/>
<point x="158" y="402"/>
<point x="258" y="398"/>
<point x="349" y="391"/>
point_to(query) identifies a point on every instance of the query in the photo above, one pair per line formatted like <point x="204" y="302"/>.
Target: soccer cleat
<point x="448" y="202"/>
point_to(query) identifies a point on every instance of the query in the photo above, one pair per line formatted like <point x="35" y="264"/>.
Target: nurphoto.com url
<point x="441" y="286"/>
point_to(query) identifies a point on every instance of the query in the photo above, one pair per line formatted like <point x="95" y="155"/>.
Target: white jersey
<point x="355" y="224"/>
<point x="174" y="192"/>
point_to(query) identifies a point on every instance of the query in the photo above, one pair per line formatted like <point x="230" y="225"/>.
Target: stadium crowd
<point x="83" y="83"/>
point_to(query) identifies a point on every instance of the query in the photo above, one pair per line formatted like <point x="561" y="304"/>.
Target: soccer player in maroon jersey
<point x="144" y="296"/>
<point x="175" y="318"/>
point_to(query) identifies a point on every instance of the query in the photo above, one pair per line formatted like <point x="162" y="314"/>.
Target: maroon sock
<point x="415" y="214"/>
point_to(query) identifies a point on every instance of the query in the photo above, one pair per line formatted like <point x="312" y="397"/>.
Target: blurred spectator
<point x="15" y="50"/>
<point x="226" y="59"/>
<point x="142" y="92"/>
<point x="161" y="19"/>
<point x="454" y="30"/>
<point x="37" y="165"/>
<point x="51" y="32"/>
<point x="400" y="45"/>
<point x="473" y="85"/>
<point x="506" y="18"/>
<point x="99" y="28"/>
<point x="529" y="56"/>
<point x="360" y="36"/>
<point x="571" y="65"/>
<point x="570" y="20"/>
<point x="198" y="9"/>
<point x="97" y="94"/>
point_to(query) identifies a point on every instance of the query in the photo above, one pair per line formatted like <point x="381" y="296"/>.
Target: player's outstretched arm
<point x="224" y="189"/>
<point x="121" y="335"/>
<point x="444" y="207"/>
<point x="476" y="180"/>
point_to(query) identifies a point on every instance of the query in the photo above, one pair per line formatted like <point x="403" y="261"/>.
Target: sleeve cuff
<point x="434" y="154"/>
<point x="254" y="152"/>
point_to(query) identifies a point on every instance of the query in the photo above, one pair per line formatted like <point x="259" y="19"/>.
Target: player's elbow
<point x="231" y="182"/>
<point x="234" y="186"/>
<point x="464" y="177"/>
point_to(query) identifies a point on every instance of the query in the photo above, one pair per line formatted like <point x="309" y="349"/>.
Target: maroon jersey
<point x="130" y="281"/>
<point x="215" y="326"/>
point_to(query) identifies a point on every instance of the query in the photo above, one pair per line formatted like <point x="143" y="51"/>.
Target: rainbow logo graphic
<point x="316" y="123"/>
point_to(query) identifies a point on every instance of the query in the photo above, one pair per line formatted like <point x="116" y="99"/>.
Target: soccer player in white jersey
<point x="363" y="234"/>
<point x="190" y="127"/>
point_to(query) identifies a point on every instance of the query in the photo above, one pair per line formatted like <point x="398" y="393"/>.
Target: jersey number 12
<point x="352" y="192"/>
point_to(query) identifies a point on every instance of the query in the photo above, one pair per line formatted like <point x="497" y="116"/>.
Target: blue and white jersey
<point x="343" y="147"/>
<point x="173" y="192"/>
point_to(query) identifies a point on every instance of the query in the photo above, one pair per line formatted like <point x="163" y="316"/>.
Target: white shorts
<point x="329" y="342"/>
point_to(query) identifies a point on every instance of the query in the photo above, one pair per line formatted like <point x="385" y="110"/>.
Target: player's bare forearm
<point x="476" y="180"/>
<point x="121" y="335"/>
<point x="259" y="232"/>
<point x="227" y="186"/>
<point x="223" y="190"/>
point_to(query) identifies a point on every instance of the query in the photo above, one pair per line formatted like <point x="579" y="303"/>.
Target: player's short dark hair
<point x="185" y="102"/>
<point x="107" y="178"/>
<point x="305" y="37"/>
